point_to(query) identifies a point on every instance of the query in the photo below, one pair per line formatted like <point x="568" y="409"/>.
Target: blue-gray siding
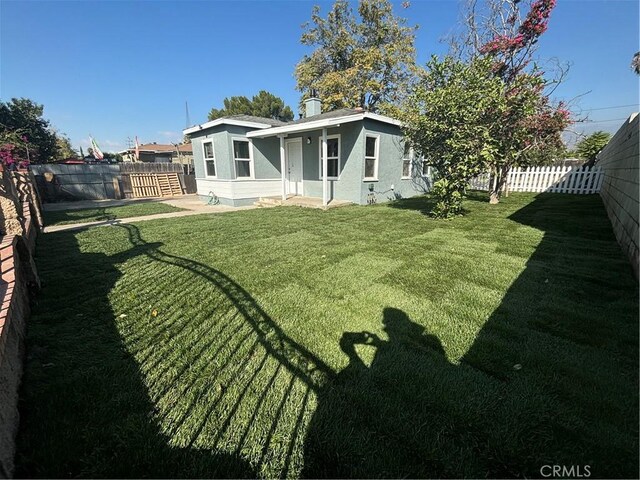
<point x="350" y="184"/>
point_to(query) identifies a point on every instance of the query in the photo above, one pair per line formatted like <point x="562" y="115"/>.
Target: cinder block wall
<point x="18" y="277"/>
<point x="620" y="161"/>
<point x="13" y="317"/>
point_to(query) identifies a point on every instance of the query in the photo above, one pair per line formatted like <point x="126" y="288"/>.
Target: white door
<point x="294" y="166"/>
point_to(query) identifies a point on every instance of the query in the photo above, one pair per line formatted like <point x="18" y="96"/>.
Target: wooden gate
<point x="155" y="185"/>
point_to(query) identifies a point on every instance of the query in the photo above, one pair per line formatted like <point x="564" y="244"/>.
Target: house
<point x="160" y="153"/>
<point x="348" y="154"/>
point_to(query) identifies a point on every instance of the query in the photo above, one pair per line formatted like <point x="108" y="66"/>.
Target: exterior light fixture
<point x="308" y="140"/>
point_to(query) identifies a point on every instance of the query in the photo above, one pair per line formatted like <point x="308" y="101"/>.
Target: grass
<point x="64" y="217"/>
<point x="356" y="342"/>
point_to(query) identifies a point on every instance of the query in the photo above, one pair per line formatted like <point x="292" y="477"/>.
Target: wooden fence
<point x="96" y="182"/>
<point x="576" y="180"/>
<point x="140" y="167"/>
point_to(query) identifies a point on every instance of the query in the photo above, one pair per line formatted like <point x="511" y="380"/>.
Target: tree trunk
<point x="499" y="179"/>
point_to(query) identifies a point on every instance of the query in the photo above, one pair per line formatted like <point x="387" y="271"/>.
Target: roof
<point x="342" y="112"/>
<point x="323" y="120"/>
<point x="266" y="127"/>
<point x="161" y="148"/>
<point x="239" y="120"/>
<point x="250" y="118"/>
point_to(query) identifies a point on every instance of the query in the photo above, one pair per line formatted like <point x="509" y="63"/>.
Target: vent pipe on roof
<point x="312" y="107"/>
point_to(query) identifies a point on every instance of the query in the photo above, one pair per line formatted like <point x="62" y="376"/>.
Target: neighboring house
<point x="241" y="158"/>
<point x="160" y="153"/>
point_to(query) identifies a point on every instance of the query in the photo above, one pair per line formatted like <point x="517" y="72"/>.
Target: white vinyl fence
<point x="577" y="180"/>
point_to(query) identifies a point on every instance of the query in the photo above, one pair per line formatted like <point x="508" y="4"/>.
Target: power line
<point x="604" y="121"/>
<point x="608" y="108"/>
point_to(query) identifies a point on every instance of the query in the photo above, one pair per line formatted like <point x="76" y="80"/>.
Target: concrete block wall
<point x="13" y="319"/>
<point x="18" y="277"/>
<point x="620" y="161"/>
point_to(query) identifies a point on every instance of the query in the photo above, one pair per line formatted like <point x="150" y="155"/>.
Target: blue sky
<point x="117" y="69"/>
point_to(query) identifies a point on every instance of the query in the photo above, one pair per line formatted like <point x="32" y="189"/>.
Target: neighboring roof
<point x="161" y="148"/>
<point x="239" y="120"/>
<point x="333" y="118"/>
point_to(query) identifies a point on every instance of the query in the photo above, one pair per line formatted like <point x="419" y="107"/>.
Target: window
<point x="407" y="159"/>
<point x="209" y="158"/>
<point x="242" y="158"/>
<point x="333" y="156"/>
<point x="371" y="157"/>
<point x="426" y="169"/>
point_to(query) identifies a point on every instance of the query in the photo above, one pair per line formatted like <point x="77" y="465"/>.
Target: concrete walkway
<point x="191" y="204"/>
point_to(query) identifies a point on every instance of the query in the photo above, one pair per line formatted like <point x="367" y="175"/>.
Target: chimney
<point x="312" y="107"/>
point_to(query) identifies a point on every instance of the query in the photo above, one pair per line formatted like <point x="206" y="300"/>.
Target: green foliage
<point x="267" y="105"/>
<point x="448" y="198"/>
<point x="25" y="116"/>
<point x="589" y="147"/>
<point x="65" y="150"/>
<point x="531" y="125"/>
<point x="464" y="119"/>
<point x="449" y="121"/>
<point x="264" y="104"/>
<point x="368" y="62"/>
<point x="112" y="156"/>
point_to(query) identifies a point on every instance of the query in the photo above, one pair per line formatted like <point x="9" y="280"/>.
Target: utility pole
<point x="188" y="120"/>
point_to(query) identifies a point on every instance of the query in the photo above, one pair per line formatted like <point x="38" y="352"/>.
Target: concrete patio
<point x="300" y="201"/>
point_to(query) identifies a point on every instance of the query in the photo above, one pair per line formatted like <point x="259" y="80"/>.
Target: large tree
<point x="23" y="116"/>
<point x="464" y="119"/>
<point x="530" y="132"/>
<point x="357" y="62"/>
<point x="449" y="120"/>
<point x="264" y="104"/>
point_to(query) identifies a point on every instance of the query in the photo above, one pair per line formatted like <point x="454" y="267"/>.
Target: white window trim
<point x="233" y="156"/>
<point x="422" y="174"/>
<point x="376" y="156"/>
<point x="205" y="159"/>
<point x="411" y="159"/>
<point x="329" y="137"/>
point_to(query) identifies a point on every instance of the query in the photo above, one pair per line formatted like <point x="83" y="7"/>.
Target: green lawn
<point x="63" y="217"/>
<point x="356" y="342"/>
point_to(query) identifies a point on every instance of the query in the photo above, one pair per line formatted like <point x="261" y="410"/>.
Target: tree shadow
<point x="551" y="377"/>
<point x="424" y="203"/>
<point x="91" y="214"/>
<point x="206" y="384"/>
<point x="140" y="405"/>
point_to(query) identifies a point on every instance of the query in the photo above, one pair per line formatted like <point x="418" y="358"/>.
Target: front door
<point x="293" y="148"/>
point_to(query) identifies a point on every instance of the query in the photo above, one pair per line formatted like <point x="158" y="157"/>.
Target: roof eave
<point x="224" y="121"/>
<point x="314" y="125"/>
<point x="305" y="127"/>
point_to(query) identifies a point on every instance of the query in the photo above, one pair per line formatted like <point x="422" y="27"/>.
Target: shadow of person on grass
<point x="546" y="380"/>
<point x="225" y="392"/>
<point x="356" y="421"/>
